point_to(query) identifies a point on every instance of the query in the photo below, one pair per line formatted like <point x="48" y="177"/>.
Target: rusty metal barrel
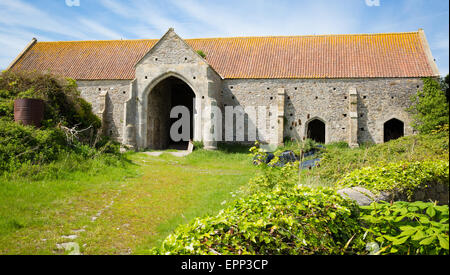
<point x="29" y="111"/>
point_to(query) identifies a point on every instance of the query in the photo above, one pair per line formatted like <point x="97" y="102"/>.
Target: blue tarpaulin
<point x="289" y="156"/>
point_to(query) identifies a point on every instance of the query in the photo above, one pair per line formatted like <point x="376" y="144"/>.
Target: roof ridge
<point x="104" y="40"/>
<point x="307" y="35"/>
<point x="234" y="37"/>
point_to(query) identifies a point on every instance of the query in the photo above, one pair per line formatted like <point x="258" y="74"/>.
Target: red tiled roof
<point x="320" y="56"/>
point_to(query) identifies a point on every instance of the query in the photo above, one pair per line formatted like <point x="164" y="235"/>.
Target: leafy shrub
<point x="430" y="108"/>
<point x="63" y="103"/>
<point x="400" y="177"/>
<point x="298" y="146"/>
<point x="274" y="177"/>
<point x="23" y="148"/>
<point x="271" y="175"/>
<point x="25" y="145"/>
<point x="406" y="228"/>
<point x="336" y="162"/>
<point x="299" y="221"/>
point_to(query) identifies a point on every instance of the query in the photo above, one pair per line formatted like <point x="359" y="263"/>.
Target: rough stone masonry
<point x="352" y="88"/>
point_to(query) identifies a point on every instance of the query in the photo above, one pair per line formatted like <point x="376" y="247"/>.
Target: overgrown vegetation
<point x="281" y="215"/>
<point x="430" y="107"/>
<point x="399" y="177"/>
<point x="201" y="53"/>
<point x="337" y="161"/>
<point x="70" y="130"/>
<point x="63" y="103"/>
<point x="416" y="228"/>
<point x="301" y="221"/>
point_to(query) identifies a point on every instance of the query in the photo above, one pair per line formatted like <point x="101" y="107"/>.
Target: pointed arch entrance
<point x="168" y="93"/>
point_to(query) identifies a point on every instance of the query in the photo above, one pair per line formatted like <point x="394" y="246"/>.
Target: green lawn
<point x="119" y="210"/>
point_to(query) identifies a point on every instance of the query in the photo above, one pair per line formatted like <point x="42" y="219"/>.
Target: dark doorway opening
<point x="316" y="130"/>
<point x="182" y="95"/>
<point x="165" y="95"/>
<point x="393" y="129"/>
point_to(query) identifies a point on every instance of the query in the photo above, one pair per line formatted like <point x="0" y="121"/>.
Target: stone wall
<point x="118" y="92"/>
<point x="378" y="100"/>
<point x="328" y="100"/>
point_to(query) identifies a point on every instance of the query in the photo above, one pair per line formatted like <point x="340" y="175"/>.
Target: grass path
<point x="122" y="210"/>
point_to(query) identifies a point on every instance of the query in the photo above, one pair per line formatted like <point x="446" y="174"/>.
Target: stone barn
<point x="353" y="88"/>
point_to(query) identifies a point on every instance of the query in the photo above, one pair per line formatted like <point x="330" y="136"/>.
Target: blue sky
<point x="54" y="20"/>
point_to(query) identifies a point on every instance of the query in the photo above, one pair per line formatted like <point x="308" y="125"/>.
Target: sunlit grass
<point x="147" y="199"/>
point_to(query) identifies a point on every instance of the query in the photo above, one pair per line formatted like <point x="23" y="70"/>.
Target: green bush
<point x="336" y="161"/>
<point x="406" y="228"/>
<point x="24" y="148"/>
<point x="430" y="108"/>
<point x="63" y="104"/>
<point x="297" y="222"/>
<point x="25" y="145"/>
<point x="400" y="177"/>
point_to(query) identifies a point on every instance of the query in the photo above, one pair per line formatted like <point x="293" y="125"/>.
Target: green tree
<point x="430" y="108"/>
<point x="445" y="84"/>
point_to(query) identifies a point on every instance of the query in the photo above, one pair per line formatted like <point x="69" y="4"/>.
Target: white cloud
<point x="21" y="21"/>
<point x="19" y="14"/>
<point x="238" y="18"/>
<point x="145" y="19"/>
<point x="99" y="30"/>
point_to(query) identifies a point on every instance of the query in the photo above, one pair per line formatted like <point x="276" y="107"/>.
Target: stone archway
<point x="393" y="129"/>
<point x="168" y="93"/>
<point x="315" y="130"/>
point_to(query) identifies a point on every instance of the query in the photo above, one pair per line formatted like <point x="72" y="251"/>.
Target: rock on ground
<point x="362" y="196"/>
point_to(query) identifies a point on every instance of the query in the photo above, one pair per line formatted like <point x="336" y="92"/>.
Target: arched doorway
<point x="167" y="94"/>
<point x="393" y="129"/>
<point x="316" y="130"/>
